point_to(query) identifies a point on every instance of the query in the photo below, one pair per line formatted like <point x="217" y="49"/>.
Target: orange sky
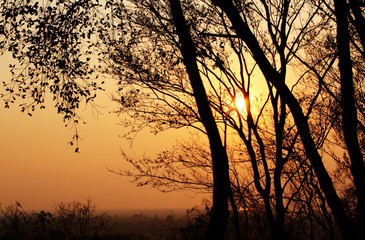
<point x="38" y="167"/>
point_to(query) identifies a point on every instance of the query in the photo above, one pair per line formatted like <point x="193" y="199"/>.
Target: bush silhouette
<point x="71" y="221"/>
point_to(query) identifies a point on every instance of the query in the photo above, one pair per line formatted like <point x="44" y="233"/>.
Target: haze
<point x="38" y="167"/>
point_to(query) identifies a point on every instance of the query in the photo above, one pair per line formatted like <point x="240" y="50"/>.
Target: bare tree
<point x="243" y="30"/>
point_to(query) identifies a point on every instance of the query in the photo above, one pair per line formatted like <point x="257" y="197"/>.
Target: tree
<point x="219" y="156"/>
<point x="276" y="77"/>
<point x="172" y="59"/>
<point x="242" y="29"/>
<point x="50" y="43"/>
<point x="221" y="104"/>
<point x="309" y="141"/>
<point x="48" y="20"/>
<point x="348" y="105"/>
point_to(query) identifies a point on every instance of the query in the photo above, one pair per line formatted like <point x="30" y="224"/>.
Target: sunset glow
<point x="144" y="119"/>
<point x="38" y="167"/>
<point x="240" y="103"/>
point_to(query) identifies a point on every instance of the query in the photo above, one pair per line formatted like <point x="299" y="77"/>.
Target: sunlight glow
<point x="240" y="103"/>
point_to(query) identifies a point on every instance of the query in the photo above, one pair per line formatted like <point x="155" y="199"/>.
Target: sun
<point x="240" y="103"/>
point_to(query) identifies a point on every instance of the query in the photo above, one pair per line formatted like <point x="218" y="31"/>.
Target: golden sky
<point x="38" y="167"/>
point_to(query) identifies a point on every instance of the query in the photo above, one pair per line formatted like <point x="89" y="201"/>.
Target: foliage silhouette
<point x="74" y="220"/>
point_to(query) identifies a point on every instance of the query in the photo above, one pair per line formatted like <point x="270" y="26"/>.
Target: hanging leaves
<point x="49" y="42"/>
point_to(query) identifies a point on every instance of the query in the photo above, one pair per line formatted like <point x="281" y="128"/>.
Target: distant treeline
<point x="81" y="221"/>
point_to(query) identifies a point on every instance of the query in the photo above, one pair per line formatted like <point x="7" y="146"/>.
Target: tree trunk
<point x="358" y="21"/>
<point x="219" y="215"/>
<point x="349" y="112"/>
<point x="236" y="219"/>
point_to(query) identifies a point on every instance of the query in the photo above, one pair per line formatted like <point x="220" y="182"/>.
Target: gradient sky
<point x="38" y="167"/>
